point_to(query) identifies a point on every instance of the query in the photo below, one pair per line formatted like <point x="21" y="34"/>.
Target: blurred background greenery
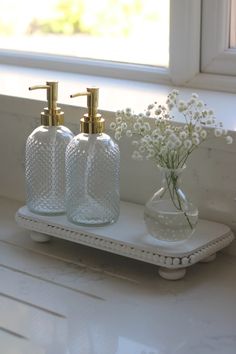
<point x="102" y="17"/>
<point x="118" y="30"/>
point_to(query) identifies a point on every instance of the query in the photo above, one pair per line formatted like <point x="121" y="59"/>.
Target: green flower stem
<point x="173" y="190"/>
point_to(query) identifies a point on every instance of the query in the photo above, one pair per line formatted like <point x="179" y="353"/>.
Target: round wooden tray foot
<point x="172" y="274"/>
<point x="209" y="258"/>
<point x="39" y="237"/>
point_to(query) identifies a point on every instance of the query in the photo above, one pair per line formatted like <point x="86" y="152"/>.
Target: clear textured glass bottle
<point x="45" y="159"/>
<point x="92" y="171"/>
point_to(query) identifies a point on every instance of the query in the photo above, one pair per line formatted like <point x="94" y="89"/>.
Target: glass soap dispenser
<point x="92" y="170"/>
<point x="45" y="158"/>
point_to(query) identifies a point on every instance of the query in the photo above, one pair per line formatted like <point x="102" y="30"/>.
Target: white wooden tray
<point x="128" y="237"/>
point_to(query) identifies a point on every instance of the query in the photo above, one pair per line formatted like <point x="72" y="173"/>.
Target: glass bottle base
<point x="93" y="213"/>
<point x="45" y="211"/>
<point x="76" y="219"/>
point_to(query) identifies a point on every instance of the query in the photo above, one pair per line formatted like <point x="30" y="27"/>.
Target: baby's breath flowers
<point x="160" y="139"/>
<point x="169" y="144"/>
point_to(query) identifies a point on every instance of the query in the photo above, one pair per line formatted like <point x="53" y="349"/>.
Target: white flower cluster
<point x="167" y="143"/>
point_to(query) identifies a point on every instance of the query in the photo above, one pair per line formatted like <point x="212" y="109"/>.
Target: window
<point x="177" y="42"/>
<point x="123" y="31"/>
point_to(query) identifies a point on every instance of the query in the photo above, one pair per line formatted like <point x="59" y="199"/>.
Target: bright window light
<point x="129" y="31"/>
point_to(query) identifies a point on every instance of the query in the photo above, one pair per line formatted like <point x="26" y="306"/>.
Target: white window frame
<point x="85" y="66"/>
<point x="217" y="57"/>
<point x="192" y="24"/>
<point x="218" y="62"/>
<point x="185" y="35"/>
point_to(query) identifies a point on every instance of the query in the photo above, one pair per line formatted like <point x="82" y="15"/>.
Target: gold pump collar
<point x="92" y="122"/>
<point x="51" y="115"/>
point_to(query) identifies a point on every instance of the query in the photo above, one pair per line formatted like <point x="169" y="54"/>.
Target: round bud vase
<point x="169" y="215"/>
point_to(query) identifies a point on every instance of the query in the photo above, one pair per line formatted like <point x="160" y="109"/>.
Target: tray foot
<point x="39" y="237"/>
<point x="171" y="274"/>
<point x="209" y="258"/>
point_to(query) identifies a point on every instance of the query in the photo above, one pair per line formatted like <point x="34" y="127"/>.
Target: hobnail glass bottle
<point x="169" y="215"/>
<point x="45" y="159"/>
<point x="45" y="169"/>
<point x="92" y="171"/>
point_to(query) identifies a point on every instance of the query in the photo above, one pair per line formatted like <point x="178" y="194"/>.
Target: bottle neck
<point x="51" y="117"/>
<point x="92" y="126"/>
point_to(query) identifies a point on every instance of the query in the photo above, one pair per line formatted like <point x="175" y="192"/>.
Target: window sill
<point x="114" y="93"/>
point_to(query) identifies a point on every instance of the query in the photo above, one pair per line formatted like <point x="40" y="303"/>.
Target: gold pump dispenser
<point x="92" y="122"/>
<point x="52" y="115"/>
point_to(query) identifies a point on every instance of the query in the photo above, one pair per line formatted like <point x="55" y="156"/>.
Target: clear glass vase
<point x="169" y="215"/>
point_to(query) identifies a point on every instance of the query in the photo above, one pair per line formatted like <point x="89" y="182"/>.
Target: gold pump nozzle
<point x="51" y="115"/>
<point x="92" y="122"/>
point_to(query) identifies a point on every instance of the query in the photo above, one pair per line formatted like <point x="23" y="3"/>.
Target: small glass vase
<point x="169" y="215"/>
